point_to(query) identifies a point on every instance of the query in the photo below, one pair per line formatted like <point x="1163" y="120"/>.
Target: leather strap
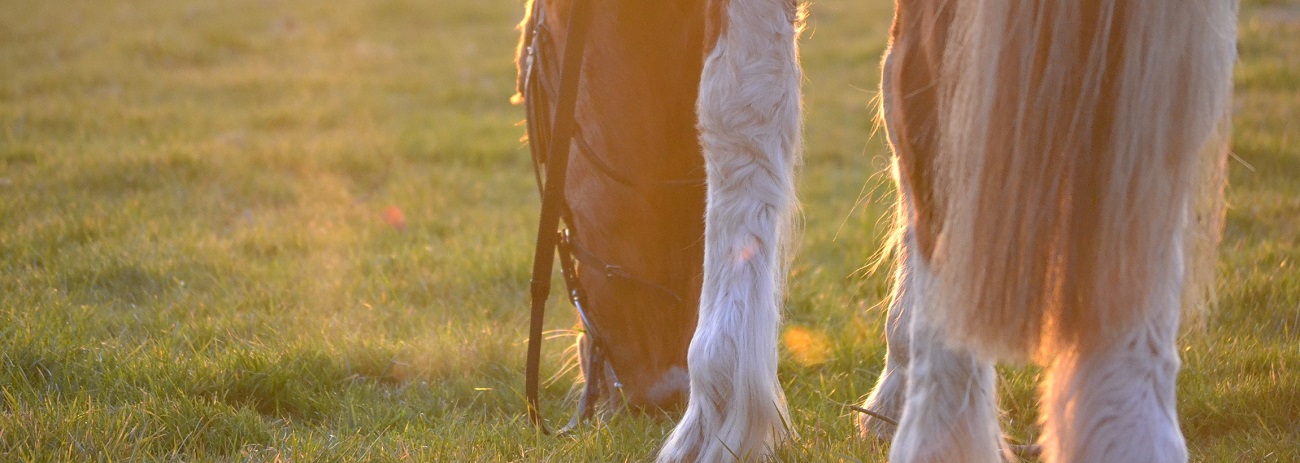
<point x="557" y="161"/>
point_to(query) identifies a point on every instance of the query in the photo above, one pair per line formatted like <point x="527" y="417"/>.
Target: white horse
<point x="1059" y="168"/>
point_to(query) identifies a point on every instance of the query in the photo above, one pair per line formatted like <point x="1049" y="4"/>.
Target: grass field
<point x="195" y="264"/>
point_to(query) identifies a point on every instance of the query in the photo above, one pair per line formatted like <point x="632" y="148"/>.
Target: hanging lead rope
<point x="557" y="161"/>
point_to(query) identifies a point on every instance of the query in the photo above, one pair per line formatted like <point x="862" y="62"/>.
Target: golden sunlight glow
<point x="806" y="346"/>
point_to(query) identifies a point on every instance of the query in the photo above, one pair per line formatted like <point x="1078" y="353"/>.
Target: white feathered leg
<point x="888" y="396"/>
<point x="1116" y="402"/>
<point x="749" y="121"/>
<point x="950" y="414"/>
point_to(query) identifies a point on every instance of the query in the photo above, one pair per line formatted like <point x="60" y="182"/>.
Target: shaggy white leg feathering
<point x="950" y="413"/>
<point x="887" y="397"/>
<point x="1117" y="402"/>
<point x="749" y="121"/>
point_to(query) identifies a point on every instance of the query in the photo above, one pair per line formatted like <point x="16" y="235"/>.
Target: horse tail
<point x="1073" y="137"/>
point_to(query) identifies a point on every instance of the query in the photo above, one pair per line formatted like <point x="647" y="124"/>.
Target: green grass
<point x="194" y="267"/>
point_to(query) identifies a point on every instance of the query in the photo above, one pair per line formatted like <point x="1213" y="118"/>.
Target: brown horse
<point x="1059" y="165"/>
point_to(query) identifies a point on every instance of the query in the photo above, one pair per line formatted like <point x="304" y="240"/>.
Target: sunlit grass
<point x="199" y="260"/>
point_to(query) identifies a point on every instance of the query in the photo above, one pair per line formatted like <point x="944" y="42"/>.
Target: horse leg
<point x="886" y="398"/>
<point x="950" y="413"/>
<point x="749" y="122"/>
<point x="909" y="109"/>
<point x="1115" y="402"/>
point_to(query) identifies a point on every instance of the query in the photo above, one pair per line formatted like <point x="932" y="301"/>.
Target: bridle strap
<point x="615" y="272"/>
<point x="557" y="160"/>
<point x="590" y="155"/>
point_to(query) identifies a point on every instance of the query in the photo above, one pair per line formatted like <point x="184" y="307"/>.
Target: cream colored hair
<point x="1074" y="137"/>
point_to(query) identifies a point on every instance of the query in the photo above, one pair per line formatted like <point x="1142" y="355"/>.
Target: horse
<point x="1059" y="168"/>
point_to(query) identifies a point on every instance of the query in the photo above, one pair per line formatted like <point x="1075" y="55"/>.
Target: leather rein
<point x="549" y="141"/>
